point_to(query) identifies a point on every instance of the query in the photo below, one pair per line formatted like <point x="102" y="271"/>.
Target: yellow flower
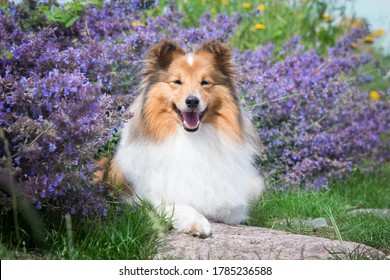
<point x="247" y="5"/>
<point x="369" y="39"/>
<point x="357" y="23"/>
<point x="225" y="3"/>
<point x="260" y="26"/>
<point x="374" y="95"/>
<point x="326" y="17"/>
<point x="378" y="33"/>
<point x="137" y="23"/>
<point x="261" y="7"/>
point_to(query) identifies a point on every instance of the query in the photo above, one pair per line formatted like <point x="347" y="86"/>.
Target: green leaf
<point x="5" y="53"/>
<point x="4" y="7"/>
<point x="72" y="20"/>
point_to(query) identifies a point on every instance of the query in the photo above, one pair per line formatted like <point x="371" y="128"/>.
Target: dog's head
<point x="183" y="90"/>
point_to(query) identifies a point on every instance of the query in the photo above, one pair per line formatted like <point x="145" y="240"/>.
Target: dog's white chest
<point x="205" y="170"/>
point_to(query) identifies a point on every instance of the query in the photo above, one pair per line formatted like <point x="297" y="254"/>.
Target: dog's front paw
<point x="199" y="227"/>
<point x="188" y="220"/>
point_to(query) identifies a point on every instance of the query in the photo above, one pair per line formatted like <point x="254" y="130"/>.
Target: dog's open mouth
<point x="191" y="119"/>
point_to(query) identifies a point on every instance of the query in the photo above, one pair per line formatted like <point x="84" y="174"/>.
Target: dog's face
<point x="192" y="88"/>
<point x="184" y="90"/>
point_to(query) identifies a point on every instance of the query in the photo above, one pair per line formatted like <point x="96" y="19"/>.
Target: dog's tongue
<point x="191" y="119"/>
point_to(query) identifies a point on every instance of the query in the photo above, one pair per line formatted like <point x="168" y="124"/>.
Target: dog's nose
<point x="192" y="101"/>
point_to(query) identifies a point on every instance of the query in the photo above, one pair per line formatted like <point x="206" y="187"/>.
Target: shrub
<point x="314" y="122"/>
<point x="53" y="118"/>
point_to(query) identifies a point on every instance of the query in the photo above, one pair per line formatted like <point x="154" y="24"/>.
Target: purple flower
<point x="17" y="160"/>
<point x="43" y="194"/>
<point x="52" y="147"/>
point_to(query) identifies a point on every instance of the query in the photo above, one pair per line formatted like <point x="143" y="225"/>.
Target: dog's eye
<point x="177" y="82"/>
<point x="204" y="83"/>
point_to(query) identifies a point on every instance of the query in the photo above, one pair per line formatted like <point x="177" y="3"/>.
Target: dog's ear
<point x="162" y="54"/>
<point x="222" y="56"/>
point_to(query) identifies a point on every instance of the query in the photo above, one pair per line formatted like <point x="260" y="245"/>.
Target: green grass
<point x="380" y="73"/>
<point x="134" y="233"/>
<point x="278" y="209"/>
<point x="130" y="235"/>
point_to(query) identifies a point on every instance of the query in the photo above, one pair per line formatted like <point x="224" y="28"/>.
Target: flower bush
<point x="64" y="92"/>
<point x="51" y="115"/>
<point x="314" y="122"/>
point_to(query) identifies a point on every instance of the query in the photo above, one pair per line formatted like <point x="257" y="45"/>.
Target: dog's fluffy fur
<point x="190" y="157"/>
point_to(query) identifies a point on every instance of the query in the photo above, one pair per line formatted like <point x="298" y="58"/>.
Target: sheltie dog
<point x="189" y="149"/>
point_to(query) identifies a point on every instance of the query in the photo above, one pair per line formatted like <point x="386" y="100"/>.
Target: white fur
<point x="192" y="175"/>
<point x="187" y="219"/>
<point x="190" y="59"/>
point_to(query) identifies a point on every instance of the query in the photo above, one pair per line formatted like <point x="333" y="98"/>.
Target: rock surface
<point x="243" y="242"/>
<point x="378" y="212"/>
<point x="308" y="223"/>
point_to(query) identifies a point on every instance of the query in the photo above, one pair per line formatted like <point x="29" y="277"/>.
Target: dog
<point x="189" y="149"/>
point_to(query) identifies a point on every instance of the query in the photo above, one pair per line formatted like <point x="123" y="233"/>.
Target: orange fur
<point x="111" y="171"/>
<point x="224" y="115"/>
<point x="100" y="173"/>
<point x="160" y="121"/>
